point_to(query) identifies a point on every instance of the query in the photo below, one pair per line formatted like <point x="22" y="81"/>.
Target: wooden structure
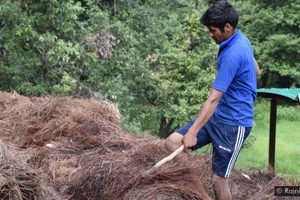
<point x="275" y="95"/>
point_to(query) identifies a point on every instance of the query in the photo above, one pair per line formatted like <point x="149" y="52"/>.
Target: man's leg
<point x="173" y="142"/>
<point x="227" y="141"/>
<point x="221" y="188"/>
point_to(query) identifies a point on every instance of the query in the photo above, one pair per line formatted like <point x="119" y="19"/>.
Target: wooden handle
<point x="170" y="157"/>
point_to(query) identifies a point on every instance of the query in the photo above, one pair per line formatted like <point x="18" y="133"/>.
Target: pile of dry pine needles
<point x="59" y="148"/>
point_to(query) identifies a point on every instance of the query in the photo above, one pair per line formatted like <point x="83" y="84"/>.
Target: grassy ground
<point x="287" y="151"/>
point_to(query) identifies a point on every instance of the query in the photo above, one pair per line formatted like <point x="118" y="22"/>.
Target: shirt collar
<point x="230" y="40"/>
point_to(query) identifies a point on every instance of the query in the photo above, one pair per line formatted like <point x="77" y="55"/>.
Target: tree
<point x="154" y="73"/>
<point x="274" y="31"/>
<point x="41" y="40"/>
<point x="153" y="58"/>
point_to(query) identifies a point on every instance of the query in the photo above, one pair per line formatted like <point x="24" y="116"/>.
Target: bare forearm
<point x="208" y="108"/>
<point x="205" y="113"/>
<point x="257" y="69"/>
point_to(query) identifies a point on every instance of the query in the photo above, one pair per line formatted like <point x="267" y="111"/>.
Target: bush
<point x="288" y="113"/>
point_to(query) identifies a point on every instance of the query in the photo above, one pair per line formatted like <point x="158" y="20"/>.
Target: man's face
<point x="216" y="34"/>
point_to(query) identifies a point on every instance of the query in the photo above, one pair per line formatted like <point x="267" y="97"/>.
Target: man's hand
<point x="208" y="108"/>
<point x="189" y="140"/>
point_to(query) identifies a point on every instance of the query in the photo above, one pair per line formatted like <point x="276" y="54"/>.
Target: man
<point x="225" y="119"/>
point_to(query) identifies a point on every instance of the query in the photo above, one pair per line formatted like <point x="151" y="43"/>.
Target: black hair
<point x="219" y="14"/>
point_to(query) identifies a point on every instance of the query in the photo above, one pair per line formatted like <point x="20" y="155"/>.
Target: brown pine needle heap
<point x="61" y="148"/>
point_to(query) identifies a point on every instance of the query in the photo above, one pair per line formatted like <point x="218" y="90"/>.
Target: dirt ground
<point x="62" y="148"/>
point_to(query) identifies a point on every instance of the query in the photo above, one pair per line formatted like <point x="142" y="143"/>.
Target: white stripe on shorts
<point x="237" y="147"/>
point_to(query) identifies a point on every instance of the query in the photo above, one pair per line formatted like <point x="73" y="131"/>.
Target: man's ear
<point x="228" y="27"/>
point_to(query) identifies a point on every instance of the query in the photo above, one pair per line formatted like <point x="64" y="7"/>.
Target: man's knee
<point x="173" y="141"/>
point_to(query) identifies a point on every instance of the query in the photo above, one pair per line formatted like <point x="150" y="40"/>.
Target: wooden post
<point x="272" y="138"/>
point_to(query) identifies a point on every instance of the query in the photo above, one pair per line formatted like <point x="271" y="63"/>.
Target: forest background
<point x="152" y="58"/>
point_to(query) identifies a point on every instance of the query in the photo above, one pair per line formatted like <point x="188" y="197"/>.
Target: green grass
<point x="287" y="151"/>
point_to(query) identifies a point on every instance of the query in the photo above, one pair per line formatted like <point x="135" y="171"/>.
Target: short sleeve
<point x="227" y="70"/>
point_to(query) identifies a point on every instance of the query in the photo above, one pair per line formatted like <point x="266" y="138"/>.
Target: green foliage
<point x="153" y="58"/>
<point x="156" y="72"/>
<point x="288" y="113"/>
<point x="261" y="108"/>
<point x="274" y="31"/>
<point x="40" y="40"/>
<point x="66" y="85"/>
<point x="285" y="112"/>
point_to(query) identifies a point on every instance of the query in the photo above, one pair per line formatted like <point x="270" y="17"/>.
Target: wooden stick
<point x="246" y="176"/>
<point x="170" y="157"/>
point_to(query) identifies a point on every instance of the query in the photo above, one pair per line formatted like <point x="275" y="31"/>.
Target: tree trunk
<point x="165" y="127"/>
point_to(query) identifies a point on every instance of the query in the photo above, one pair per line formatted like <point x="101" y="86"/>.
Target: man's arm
<point x="258" y="72"/>
<point x="208" y="108"/>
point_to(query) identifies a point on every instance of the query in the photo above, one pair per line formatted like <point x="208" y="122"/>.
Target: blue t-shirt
<point x="236" y="78"/>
